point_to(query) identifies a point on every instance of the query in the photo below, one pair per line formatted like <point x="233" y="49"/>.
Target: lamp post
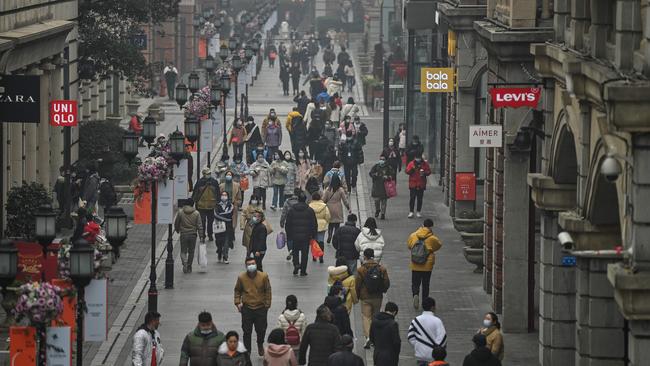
<point x="181" y="94"/>
<point x="225" y="89"/>
<point x="82" y="270"/>
<point x="236" y="65"/>
<point x="45" y="229"/>
<point x="116" y="221"/>
<point x="177" y="151"/>
<point x="193" y="134"/>
<point x="8" y="266"/>
<point x="209" y="67"/>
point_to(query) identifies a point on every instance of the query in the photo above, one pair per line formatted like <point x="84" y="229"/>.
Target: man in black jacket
<point x="301" y="227"/>
<point x="345" y="357"/>
<point x="351" y="155"/>
<point x="481" y="355"/>
<point x="384" y="334"/>
<point x="302" y="100"/>
<point x="321" y="338"/>
<point x="343" y="242"/>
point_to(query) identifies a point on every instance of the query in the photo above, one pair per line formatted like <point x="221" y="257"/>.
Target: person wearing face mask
<point x="253" y="300"/>
<point x="423" y="245"/>
<point x="302" y="101"/>
<point x="393" y="157"/>
<point x="346" y="126"/>
<point x="279" y="178"/>
<point x="330" y="133"/>
<point x="201" y="346"/>
<point x="414" y="149"/>
<point x="188" y="224"/>
<point x="351" y="155"/>
<point x="224" y="213"/>
<point x="303" y="167"/>
<point x="245" y="223"/>
<point x="260" y="171"/>
<point x="400" y="138"/>
<point x="362" y="130"/>
<point x="418" y="170"/>
<point x="384" y="334"/>
<point x="146" y="342"/>
<point x="380" y="174"/>
<point x="240" y="172"/>
<point x="273" y="135"/>
<point x="237" y="137"/>
<point x="349" y="108"/>
<point x="309" y="108"/>
<point x="222" y="167"/>
<point x="297" y="130"/>
<point x="284" y="78"/>
<point x="492" y="331"/>
<point x="258" y="238"/>
<point x="291" y="173"/>
<point x="253" y="137"/>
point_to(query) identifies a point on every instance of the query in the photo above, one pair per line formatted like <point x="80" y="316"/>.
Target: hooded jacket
<point x="292" y="171"/>
<point x="206" y="193"/>
<point x="431" y="242"/>
<point x="240" y="358"/>
<point x="290" y="117"/>
<point x="340" y="273"/>
<point x="279" y="355"/>
<point x="344" y="241"/>
<point x="481" y="357"/>
<point x="384" y="334"/>
<point x="301" y="225"/>
<point x="279" y="171"/>
<point x="362" y="272"/>
<point x="143" y="341"/>
<point x="335" y="201"/>
<point x="367" y="240"/>
<point x="201" y="349"/>
<point x="418" y="173"/>
<point x="340" y="313"/>
<point x="273" y="136"/>
<point x="322" y="214"/>
<point x="344" y="357"/>
<point x="188" y="221"/>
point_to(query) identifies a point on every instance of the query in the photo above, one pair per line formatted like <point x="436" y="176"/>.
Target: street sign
<point x="465" y="186"/>
<point x="139" y="41"/>
<point x="20" y="98"/>
<point x="436" y="79"/>
<point x="515" y="97"/>
<point x="63" y="113"/>
<point x="485" y="136"/>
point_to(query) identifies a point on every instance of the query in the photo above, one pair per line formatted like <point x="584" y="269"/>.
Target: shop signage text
<point x="63" y="113"/>
<point x="436" y="80"/>
<point x="486" y="136"/>
<point x="20" y="98"/>
<point x="515" y="97"/>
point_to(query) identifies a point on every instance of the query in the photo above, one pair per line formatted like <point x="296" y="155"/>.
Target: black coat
<point x="301" y="102"/>
<point x="341" y="316"/>
<point x="481" y="356"/>
<point x="415" y="149"/>
<point x="301" y="225"/>
<point x="350" y="153"/>
<point x="321" y="338"/>
<point x="344" y="358"/>
<point x="384" y="334"/>
<point x="258" y="238"/>
<point x="377" y="173"/>
<point x="343" y="241"/>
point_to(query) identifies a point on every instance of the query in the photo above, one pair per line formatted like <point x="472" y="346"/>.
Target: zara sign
<point x="20" y="98"/>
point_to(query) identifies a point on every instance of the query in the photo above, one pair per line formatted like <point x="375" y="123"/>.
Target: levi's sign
<point x="485" y="136"/>
<point x="436" y="79"/>
<point x="63" y="113"/>
<point x="515" y="97"/>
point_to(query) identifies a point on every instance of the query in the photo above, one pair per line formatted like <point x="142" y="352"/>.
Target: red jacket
<point x="135" y="125"/>
<point x="418" y="174"/>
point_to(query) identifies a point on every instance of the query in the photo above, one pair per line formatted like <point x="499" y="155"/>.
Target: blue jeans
<point x="320" y="238"/>
<point x="278" y="196"/>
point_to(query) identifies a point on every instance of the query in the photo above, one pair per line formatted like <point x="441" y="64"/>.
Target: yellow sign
<point x="436" y="80"/>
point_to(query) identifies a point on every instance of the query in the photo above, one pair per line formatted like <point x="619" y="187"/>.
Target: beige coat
<point x="322" y="214"/>
<point x="494" y="340"/>
<point x="335" y="201"/>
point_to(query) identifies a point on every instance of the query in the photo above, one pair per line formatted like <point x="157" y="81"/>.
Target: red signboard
<point x="515" y="97"/>
<point x="63" y="113"/>
<point x="22" y="348"/>
<point x="465" y="187"/>
<point x="31" y="263"/>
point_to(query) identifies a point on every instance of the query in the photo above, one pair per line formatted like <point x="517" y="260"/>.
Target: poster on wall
<point x="165" y="207"/>
<point x="180" y="181"/>
<point x="95" y="326"/>
<point x="142" y="208"/>
<point x="465" y="186"/>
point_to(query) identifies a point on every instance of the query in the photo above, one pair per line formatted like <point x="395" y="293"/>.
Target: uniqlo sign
<point x="63" y="113"/>
<point x="515" y="97"/>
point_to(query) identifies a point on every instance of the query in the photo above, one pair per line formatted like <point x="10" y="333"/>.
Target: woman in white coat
<point x="349" y="109"/>
<point x="370" y="237"/>
<point x="292" y="316"/>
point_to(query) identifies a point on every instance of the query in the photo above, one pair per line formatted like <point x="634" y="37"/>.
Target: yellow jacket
<point x="340" y="273"/>
<point x="290" y="118"/>
<point x="322" y="214"/>
<point x="431" y="242"/>
<point x="494" y="341"/>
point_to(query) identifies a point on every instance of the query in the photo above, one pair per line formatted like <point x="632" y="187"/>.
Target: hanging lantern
<point x="193" y="81"/>
<point x="192" y="128"/>
<point x="149" y="129"/>
<point x="181" y="94"/>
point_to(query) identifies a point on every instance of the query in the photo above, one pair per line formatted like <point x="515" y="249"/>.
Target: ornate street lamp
<point x="192" y="128"/>
<point x="82" y="270"/>
<point x="209" y="64"/>
<point x="215" y="93"/>
<point x="177" y="145"/>
<point x="225" y="83"/>
<point x="149" y="129"/>
<point x="181" y="94"/>
<point x="130" y="144"/>
<point x="8" y="263"/>
<point x="45" y="226"/>
<point x="193" y="81"/>
<point x="115" y="226"/>
<point x="224" y="52"/>
<point x="236" y="63"/>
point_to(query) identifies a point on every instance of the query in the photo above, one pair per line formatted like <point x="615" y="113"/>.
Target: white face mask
<point x="390" y="143"/>
<point x="487" y="323"/>
<point x="206" y="331"/>
<point x="251" y="268"/>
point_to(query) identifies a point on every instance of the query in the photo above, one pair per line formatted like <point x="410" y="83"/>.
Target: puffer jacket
<point x="279" y="355"/>
<point x="340" y="273"/>
<point x="431" y="242"/>
<point x="322" y="214"/>
<point x="344" y="241"/>
<point x="143" y="341"/>
<point x="290" y="117"/>
<point x="295" y="317"/>
<point x="340" y="313"/>
<point x="239" y="170"/>
<point x="206" y="193"/>
<point x="188" y="221"/>
<point x="279" y="172"/>
<point x="310" y="108"/>
<point x="335" y="202"/>
<point x="366" y="240"/>
<point x="321" y="338"/>
<point x="260" y="171"/>
<point x="384" y="334"/>
<point x="273" y="135"/>
<point x="291" y="177"/>
<point x="417" y="178"/>
<point x="303" y="169"/>
<point x="199" y="349"/>
<point x="240" y="358"/>
<point x="301" y="224"/>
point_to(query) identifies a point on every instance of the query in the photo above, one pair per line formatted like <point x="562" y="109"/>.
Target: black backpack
<point x="374" y="280"/>
<point x="297" y="125"/>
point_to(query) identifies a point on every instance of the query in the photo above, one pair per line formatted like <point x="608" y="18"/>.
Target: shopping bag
<point x="316" y="251"/>
<point x="391" y="188"/>
<point x="219" y="227"/>
<point x="281" y="240"/>
<point x="203" y="258"/>
<point x="243" y="183"/>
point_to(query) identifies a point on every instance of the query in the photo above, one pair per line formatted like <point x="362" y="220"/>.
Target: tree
<point x="22" y="203"/>
<point x="106" y="33"/>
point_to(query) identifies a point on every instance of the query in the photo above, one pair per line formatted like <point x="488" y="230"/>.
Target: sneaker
<point x="289" y="257"/>
<point x="367" y="344"/>
<point x="376" y="214"/>
<point x="225" y="261"/>
<point x="273" y="208"/>
<point x="410" y="215"/>
<point x="303" y="274"/>
<point x="295" y="270"/>
<point x="416" y="301"/>
<point x="418" y="214"/>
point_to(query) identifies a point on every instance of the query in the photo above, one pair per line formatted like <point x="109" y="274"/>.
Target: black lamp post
<point x="224" y="52"/>
<point x="225" y="89"/>
<point x="149" y="129"/>
<point x="193" y="134"/>
<point x="116" y="221"/>
<point x="236" y="64"/>
<point x="130" y="145"/>
<point x="45" y="228"/>
<point x="193" y="82"/>
<point x="181" y="94"/>
<point x="177" y="151"/>
<point x="209" y="67"/>
<point x="82" y="270"/>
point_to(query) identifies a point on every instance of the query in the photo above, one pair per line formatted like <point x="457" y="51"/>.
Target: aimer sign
<point x="63" y="113"/>
<point x="486" y="136"/>
<point x="437" y="80"/>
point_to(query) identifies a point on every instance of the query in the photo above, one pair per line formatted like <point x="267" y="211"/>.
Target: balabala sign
<point x="437" y="80"/>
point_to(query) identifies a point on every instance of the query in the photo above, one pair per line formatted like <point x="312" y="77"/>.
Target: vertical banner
<point x="69" y="315"/>
<point x="95" y="325"/>
<point x="254" y="63"/>
<point x="230" y="100"/>
<point x="59" y="348"/>
<point x="142" y="209"/>
<point x="22" y="348"/>
<point x="217" y="119"/>
<point x="206" y="135"/>
<point x="180" y="181"/>
<point x="241" y="81"/>
<point x="165" y="203"/>
<point x="213" y="46"/>
<point x="202" y="48"/>
<point x="249" y="72"/>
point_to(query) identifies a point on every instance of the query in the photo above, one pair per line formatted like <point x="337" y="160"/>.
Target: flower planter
<point x="115" y="120"/>
<point x="473" y="240"/>
<point x="474" y="256"/>
<point x="468" y="225"/>
<point x="132" y="107"/>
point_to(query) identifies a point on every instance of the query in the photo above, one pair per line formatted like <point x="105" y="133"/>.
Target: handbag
<point x="316" y="251"/>
<point x="234" y="140"/>
<point x="203" y="257"/>
<point x="243" y="183"/>
<point x="281" y="240"/>
<point x="390" y="187"/>
<point x="219" y="227"/>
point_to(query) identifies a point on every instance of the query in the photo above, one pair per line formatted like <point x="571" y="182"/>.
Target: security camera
<point x="610" y="168"/>
<point x="565" y="240"/>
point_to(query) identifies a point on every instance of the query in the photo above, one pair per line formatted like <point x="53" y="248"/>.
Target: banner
<point x="230" y="100"/>
<point x="20" y="99"/>
<point x="59" y="348"/>
<point x="180" y="181"/>
<point x="142" y="209"/>
<point x="22" y="348"/>
<point x="217" y="118"/>
<point x="213" y="46"/>
<point x="95" y="325"/>
<point x="465" y="187"/>
<point x="206" y="135"/>
<point x="31" y="263"/>
<point x="250" y="72"/>
<point x="202" y="48"/>
<point x="515" y="97"/>
<point x="436" y="80"/>
<point x="69" y="315"/>
<point x="165" y="203"/>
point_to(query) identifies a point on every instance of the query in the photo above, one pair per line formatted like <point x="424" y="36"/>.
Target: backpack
<point x="419" y="252"/>
<point x="339" y="284"/>
<point x="374" y="280"/>
<point x="297" y="124"/>
<point x="292" y="335"/>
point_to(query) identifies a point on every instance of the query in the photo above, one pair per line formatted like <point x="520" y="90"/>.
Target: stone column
<point x="101" y="100"/>
<point x="94" y="100"/>
<point x="86" y="111"/>
<point x="497" y="237"/>
<point x="122" y="99"/>
<point x="30" y="132"/>
<point x="109" y="95"/>
<point x="16" y="152"/>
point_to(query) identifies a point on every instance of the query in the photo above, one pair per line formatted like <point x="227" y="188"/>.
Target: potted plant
<point x="469" y="221"/>
<point x="370" y="87"/>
